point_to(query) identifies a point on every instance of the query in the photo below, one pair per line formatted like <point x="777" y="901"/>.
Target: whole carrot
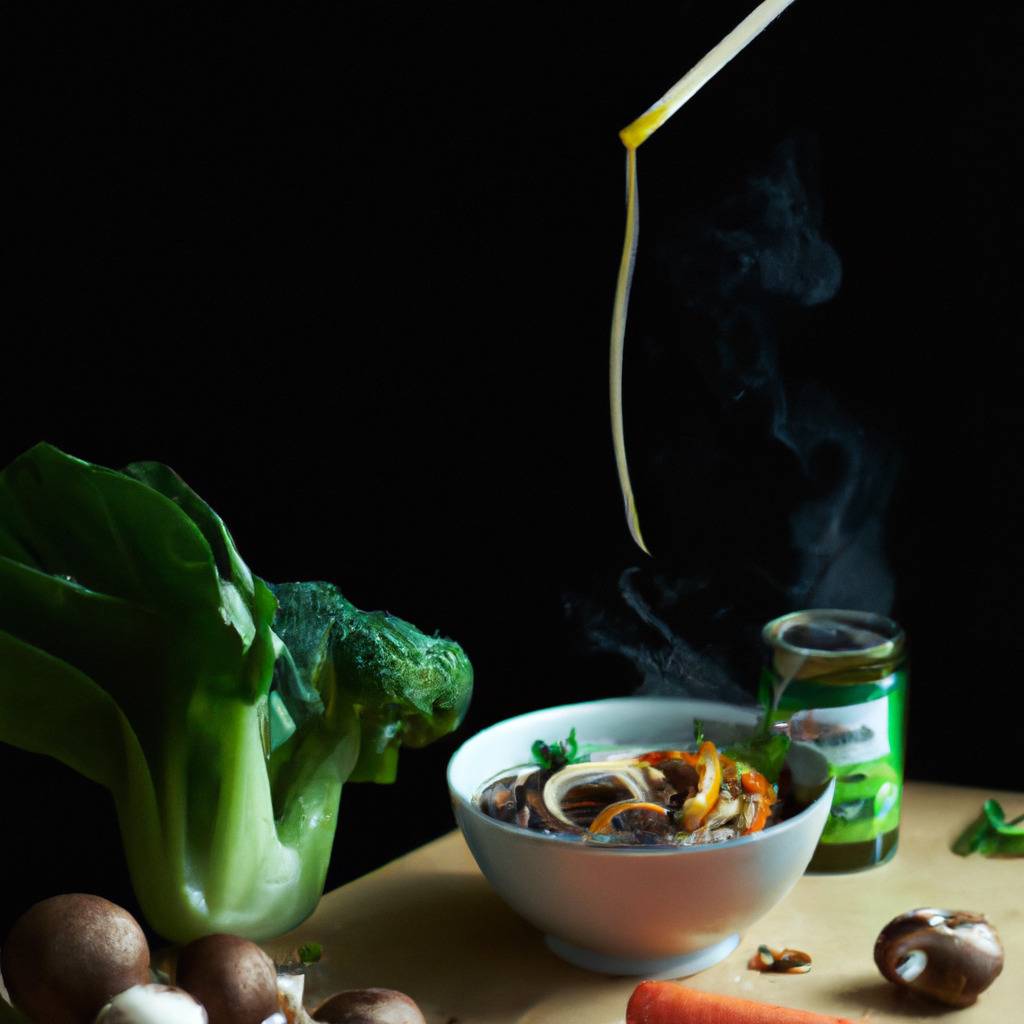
<point x="668" y="1002"/>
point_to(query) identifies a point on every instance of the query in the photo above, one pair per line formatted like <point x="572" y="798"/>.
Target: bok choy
<point x="224" y="714"/>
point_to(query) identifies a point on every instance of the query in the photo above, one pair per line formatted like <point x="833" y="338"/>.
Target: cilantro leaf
<point x="552" y="756"/>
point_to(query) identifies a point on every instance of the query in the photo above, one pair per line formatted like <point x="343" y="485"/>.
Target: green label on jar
<point x="859" y="730"/>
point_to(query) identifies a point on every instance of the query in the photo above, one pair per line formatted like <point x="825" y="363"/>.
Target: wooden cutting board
<point x="430" y="925"/>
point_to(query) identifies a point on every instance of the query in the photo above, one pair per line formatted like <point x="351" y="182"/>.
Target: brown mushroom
<point x="68" y="955"/>
<point x="682" y="776"/>
<point x="946" y="955"/>
<point x="232" y="977"/>
<point x="369" y="1006"/>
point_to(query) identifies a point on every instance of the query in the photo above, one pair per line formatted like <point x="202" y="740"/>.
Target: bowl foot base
<point x="661" y="967"/>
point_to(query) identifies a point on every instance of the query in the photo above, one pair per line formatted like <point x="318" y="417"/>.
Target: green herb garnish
<point x="766" y="749"/>
<point x="991" y="835"/>
<point x="698" y="731"/>
<point x="765" y="754"/>
<point x="552" y="756"/>
<point x="310" y="953"/>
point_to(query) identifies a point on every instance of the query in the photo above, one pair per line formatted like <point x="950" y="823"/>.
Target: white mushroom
<point x="152" y="1004"/>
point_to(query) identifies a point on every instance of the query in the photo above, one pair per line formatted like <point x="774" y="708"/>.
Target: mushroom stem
<point x="912" y="965"/>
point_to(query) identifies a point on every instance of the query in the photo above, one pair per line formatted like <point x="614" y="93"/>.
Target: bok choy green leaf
<point x="223" y="714"/>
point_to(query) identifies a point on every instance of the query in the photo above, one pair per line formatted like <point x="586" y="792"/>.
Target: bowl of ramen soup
<point x="635" y="845"/>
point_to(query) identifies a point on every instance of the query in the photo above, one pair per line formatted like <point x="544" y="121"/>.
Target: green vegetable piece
<point x="552" y="756"/>
<point x="698" y="731"/>
<point x="406" y="688"/>
<point x="572" y="747"/>
<point x="136" y="647"/>
<point x="765" y="751"/>
<point x="991" y="835"/>
<point x="311" y="953"/>
<point x="765" y="754"/>
<point x="971" y="838"/>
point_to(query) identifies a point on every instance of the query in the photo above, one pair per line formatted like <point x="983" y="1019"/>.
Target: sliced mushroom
<point x="497" y="799"/>
<point x="681" y="776"/>
<point x="946" y="955"/>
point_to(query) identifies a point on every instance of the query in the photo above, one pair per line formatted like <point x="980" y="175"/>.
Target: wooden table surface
<point x="430" y="925"/>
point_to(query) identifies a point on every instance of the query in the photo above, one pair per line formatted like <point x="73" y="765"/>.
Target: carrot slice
<point x="709" y="769"/>
<point x="603" y="822"/>
<point x="755" y="783"/>
<point x="667" y="1002"/>
<point x="657" y="756"/>
<point x="760" y="818"/>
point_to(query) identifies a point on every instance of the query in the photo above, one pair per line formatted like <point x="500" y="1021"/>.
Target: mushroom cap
<point x="369" y="1006"/>
<point x="950" y="956"/>
<point x="69" y="955"/>
<point x="232" y="977"/>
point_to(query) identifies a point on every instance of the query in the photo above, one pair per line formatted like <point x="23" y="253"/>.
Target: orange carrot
<point x="755" y="782"/>
<point x="760" y="817"/>
<point x="655" y="757"/>
<point x="667" y="1002"/>
<point x="603" y="822"/>
<point x="709" y="769"/>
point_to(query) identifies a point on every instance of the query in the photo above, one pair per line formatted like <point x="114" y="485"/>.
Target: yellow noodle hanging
<point x="632" y="136"/>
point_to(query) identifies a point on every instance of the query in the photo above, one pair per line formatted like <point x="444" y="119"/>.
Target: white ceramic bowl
<point x="654" y="911"/>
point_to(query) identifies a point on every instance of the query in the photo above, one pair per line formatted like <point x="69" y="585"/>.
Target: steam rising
<point x="667" y="663"/>
<point x="758" y="252"/>
<point x="838" y="533"/>
<point x="772" y="494"/>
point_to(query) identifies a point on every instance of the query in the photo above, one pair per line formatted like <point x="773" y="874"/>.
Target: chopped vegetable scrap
<point x="780" y="961"/>
<point x="659" y="797"/>
<point x="668" y="1002"/>
<point x="991" y="835"/>
<point x="311" y="952"/>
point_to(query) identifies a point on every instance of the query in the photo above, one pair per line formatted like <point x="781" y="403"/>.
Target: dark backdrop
<point x="350" y="272"/>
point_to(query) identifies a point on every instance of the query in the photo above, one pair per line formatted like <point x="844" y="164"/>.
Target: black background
<point x="350" y="270"/>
